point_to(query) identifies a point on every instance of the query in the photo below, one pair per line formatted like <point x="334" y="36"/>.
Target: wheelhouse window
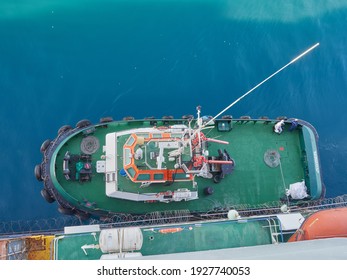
<point x="130" y="141"/>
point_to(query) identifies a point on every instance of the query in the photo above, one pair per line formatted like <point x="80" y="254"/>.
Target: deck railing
<point x="55" y="225"/>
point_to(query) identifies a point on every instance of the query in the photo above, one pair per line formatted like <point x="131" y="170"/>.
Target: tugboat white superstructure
<point x="164" y="154"/>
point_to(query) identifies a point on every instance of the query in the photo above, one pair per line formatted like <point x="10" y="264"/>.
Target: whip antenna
<point x="258" y="85"/>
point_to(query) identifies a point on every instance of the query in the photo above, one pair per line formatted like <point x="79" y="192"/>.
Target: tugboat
<point x="197" y="165"/>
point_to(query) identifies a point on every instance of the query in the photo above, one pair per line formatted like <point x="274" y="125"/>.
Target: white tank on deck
<point x="117" y="240"/>
<point x="117" y="256"/>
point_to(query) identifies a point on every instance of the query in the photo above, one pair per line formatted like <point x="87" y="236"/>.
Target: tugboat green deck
<point x="141" y="166"/>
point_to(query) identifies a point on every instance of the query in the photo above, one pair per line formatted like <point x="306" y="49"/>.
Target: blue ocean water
<point x="66" y="60"/>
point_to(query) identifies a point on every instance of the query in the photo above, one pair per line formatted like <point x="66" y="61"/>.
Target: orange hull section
<point x="323" y="224"/>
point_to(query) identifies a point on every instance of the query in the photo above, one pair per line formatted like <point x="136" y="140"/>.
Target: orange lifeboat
<point x="323" y="224"/>
<point x="170" y="230"/>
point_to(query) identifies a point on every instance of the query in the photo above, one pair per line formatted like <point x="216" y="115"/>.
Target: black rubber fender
<point x="106" y="120"/>
<point x="64" y="128"/>
<point x="187" y="117"/>
<point x="38" y="172"/>
<point x="66" y="211"/>
<point x="47" y="196"/>
<point x="45" y="145"/>
<point x="83" y="215"/>
<point x="83" y="123"/>
<point x="128" y="118"/>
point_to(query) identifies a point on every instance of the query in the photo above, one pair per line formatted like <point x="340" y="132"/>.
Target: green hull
<point x="252" y="182"/>
<point x="104" y="242"/>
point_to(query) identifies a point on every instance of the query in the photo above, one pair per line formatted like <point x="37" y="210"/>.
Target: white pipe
<point x="258" y="85"/>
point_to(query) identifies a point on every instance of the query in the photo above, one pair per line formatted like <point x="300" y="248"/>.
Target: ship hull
<point x="265" y="164"/>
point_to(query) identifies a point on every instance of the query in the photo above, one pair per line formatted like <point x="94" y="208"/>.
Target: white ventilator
<point x="278" y="126"/>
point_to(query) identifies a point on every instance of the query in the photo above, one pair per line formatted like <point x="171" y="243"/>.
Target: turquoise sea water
<point x="62" y="61"/>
